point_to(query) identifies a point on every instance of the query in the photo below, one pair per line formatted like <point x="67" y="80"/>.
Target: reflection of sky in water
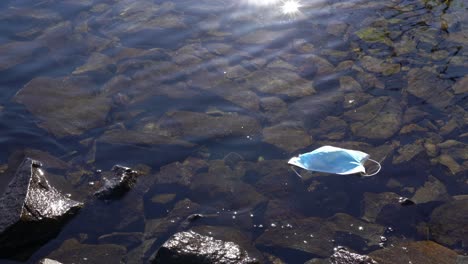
<point x="287" y="7"/>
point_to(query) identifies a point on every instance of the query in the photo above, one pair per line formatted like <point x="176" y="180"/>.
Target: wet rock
<point x="287" y="136"/>
<point x="461" y="86"/>
<point x="191" y="247"/>
<point x="64" y="106"/>
<point x="202" y="126"/>
<point x="433" y="190"/>
<point x="380" y="118"/>
<point x="233" y="234"/>
<point x="448" y="223"/>
<point x="48" y="261"/>
<point x="430" y="88"/>
<point x="122" y="180"/>
<point x="72" y="251"/>
<point x="31" y="210"/>
<point x="342" y="256"/>
<point x="373" y="203"/>
<point x="280" y="82"/>
<point x="420" y="252"/>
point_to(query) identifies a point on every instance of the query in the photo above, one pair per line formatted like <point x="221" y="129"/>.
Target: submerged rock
<point x="72" y="251"/>
<point x="420" y="252"/>
<point x="116" y="186"/>
<point x="286" y="136"/>
<point x="280" y="82"/>
<point x="342" y="256"/>
<point x="461" y="87"/>
<point x="380" y="118"/>
<point x="373" y="203"/>
<point x="191" y="247"/>
<point x="433" y="190"/>
<point x="430" y="88"/>
<point x="315" y="235"/>
<point x="31" y="210"/>
<point x="64" y="106"/>
<point x="197" y="125"/>
<point x="448" y="223"/>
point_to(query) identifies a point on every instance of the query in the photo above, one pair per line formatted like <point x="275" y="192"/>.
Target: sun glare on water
<point x="290" y="7"/>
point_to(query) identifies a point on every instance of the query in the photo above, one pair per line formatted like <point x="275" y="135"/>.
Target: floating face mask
<point x="334" y="160"/>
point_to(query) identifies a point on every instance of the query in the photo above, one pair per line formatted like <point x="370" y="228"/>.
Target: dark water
<point x="209" y="99"/>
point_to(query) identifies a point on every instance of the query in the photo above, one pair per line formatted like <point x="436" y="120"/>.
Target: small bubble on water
<point x="260" y="226"/>
<point x="311" y="235"/>
<point x="91" y="183"/>
<point x="233" y="217"/>
<point x="85" y="259"/>
<point x="68" y="195"/>
<point x="98" y="171"/>
<point x="383" y="239"/>
<point x="251" y="215"/>
<point x="382" y="245"/>
<point x="305" y="241"/>
<point x="361" y="228"/>
<point x="273" y="225"/>
<point x="389" y="229"/>
<point x="288" y="225"/>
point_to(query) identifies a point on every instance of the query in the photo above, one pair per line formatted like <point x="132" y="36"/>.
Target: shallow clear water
<point x="209" y="99"/>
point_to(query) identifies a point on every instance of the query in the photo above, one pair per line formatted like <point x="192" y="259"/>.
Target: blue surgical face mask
<point x="334" y="160"/>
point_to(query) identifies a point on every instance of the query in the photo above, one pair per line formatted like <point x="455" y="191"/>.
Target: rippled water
<point x="209" y="99"/>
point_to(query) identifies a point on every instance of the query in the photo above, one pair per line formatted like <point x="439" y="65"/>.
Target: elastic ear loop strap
<point x="374" y="173"/>
<point x="297" y="173"/>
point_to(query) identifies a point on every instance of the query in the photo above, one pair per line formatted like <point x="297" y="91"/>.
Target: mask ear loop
<point x="374" y="173"/>
<point x="297" y="173"/>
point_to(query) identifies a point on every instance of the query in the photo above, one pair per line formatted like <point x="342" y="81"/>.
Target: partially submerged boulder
<point x="118" y="184"/>
<point x="31" y="210"/>
<point x="193" y="248"/>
